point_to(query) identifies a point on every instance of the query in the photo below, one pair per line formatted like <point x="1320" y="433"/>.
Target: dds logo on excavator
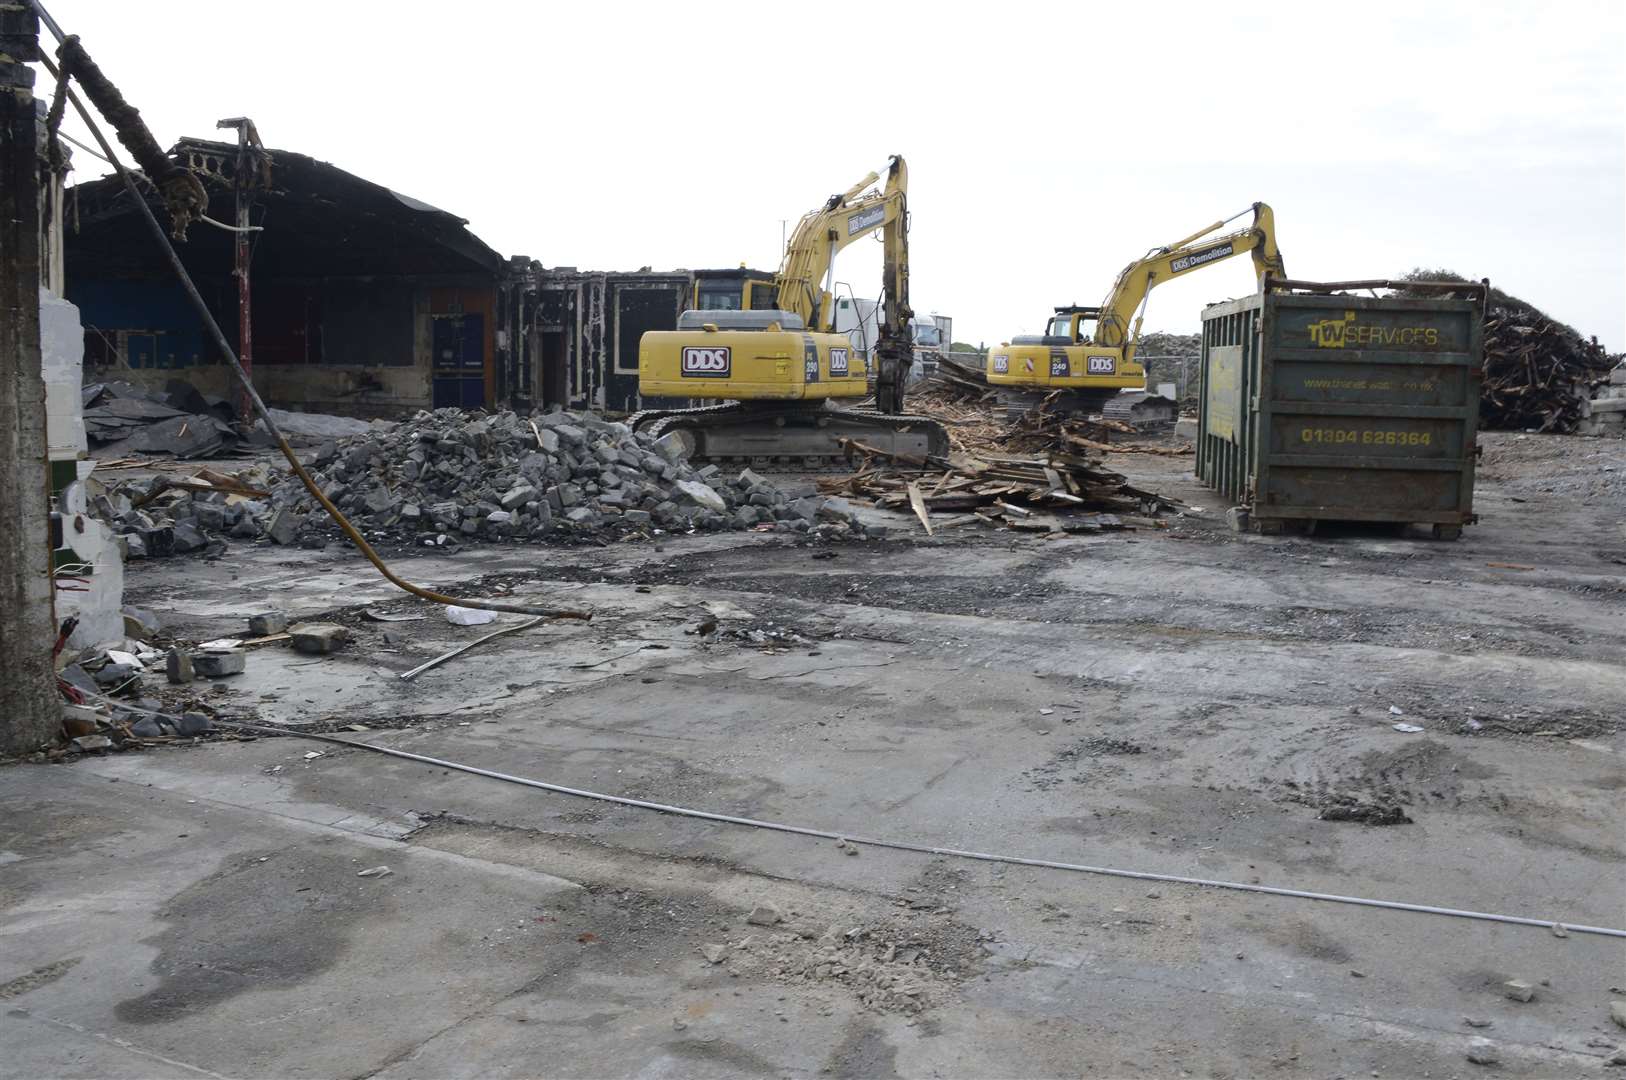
<point x="838" y="363"/>
<point x="706" y="363"/>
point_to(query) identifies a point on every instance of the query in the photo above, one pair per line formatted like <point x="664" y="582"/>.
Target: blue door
<point x="459" y="366"/>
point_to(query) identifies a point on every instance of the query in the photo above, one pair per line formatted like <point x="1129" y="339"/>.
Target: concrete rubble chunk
<point x="1481" y="1051"/>
<point x="192" y="724"/>
<point x="318" y="639"/>
<point x="216" y="664"/>
<point x="284" y="527"/>
<point x="267" y="623"/>
<point x="1518" y="990"/>
<point x="702" y="495"/>
<point x="763" y="915"/>
<point x="178" y="666"/>
<point x="1617" y="1013"/>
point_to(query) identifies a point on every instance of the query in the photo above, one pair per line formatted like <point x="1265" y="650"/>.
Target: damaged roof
<point x="319" y="221"/>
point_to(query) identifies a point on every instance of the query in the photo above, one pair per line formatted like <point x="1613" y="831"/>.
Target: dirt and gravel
<point x="1181" y="700"/>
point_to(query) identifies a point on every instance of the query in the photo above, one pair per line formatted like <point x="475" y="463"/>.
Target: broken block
<point x="218" y="663"/>
<point x="272" y="622"/>
<point x="178" y="666"/>
<point x="284" y="527"/>
<point x="1518" y="990"/>
<point x="318" y="639"/>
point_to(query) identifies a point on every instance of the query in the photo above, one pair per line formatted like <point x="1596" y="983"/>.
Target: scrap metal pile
<point x="1539" y="373"/>
<point x="1051" y="493"/>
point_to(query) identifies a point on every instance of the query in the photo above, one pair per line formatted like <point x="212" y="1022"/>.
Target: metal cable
<point x="220" y="342"/>
<point x="926" y="849"/>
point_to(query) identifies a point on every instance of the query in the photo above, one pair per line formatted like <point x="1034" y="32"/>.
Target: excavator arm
<point x="1163" y="264"/>
<point x="805" y="277"/>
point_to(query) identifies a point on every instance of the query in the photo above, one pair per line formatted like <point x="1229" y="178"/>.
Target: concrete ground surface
<point x="1183" y="701"/>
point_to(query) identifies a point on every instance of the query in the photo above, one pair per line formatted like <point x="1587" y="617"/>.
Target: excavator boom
<point x="1089" y="353"/>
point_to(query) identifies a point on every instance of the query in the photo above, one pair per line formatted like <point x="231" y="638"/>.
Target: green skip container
<point x="1320" y="404"/>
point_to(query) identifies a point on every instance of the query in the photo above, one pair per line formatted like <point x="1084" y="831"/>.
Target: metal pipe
<point x="927" y="849"/>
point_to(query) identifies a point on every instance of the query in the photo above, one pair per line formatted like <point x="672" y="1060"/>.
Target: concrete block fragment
<point x="763" y="915"/>
<point x="1518" y="990"/>
<point x="701" y="494"/>
<point x="218" y="663"/>
<point x="178" y="666"/>
<point x="188" y="538"/>
<point x="267" y="623"/>
<point x="835" y="509"/>
<point x="284" y="527"/>
<point x="318" y="639"/>
<point x="518" y="497"/>
<point x="671" y="447"/>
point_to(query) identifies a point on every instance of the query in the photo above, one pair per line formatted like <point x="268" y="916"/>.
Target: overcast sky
<point x="1048" y="144"/>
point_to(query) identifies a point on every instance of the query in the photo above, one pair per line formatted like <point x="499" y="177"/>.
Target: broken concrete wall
<point x="585" y="329"/>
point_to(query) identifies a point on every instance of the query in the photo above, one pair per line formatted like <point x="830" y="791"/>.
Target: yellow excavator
<point x="780" y="369"/>
<point x="1088" y="353"/>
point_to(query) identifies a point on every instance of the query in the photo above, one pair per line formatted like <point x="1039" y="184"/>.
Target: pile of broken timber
<point x="1054" y="493"/>
<point x="1538" y="373"/>
<point x="1047" y="428"/>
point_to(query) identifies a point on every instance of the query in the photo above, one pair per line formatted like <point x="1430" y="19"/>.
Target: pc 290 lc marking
<point x="707" y="362"/>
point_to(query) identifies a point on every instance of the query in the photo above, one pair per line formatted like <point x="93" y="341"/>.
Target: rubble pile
<point x="450" y="476"/>
<point x="163" y="515"/>
<point x="108" y="701"/>
<point x="1539" y="373"/>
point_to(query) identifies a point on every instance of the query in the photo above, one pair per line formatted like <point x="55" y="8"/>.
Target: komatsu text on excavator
<point x="779" y="369"/>
<point x="1088" y="353"/>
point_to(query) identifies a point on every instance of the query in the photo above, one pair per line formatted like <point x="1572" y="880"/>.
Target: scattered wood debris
<point x="1051" y="493"/>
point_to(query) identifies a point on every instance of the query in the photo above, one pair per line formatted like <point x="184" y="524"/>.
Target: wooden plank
<point x="919" y="504"/>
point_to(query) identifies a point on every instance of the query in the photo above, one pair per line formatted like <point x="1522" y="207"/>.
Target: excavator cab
<point x="734" y="290"/>
<point x="1076" y="324"/>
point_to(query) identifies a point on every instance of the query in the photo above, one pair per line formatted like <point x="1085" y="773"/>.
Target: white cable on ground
<point x="925" y="849"/>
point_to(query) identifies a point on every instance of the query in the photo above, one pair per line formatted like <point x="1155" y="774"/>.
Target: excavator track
<point x="773" y="437"/>
<point x="1018" y="401"/>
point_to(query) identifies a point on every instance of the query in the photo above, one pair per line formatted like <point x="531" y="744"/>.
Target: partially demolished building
<point x="365" y="302"/>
